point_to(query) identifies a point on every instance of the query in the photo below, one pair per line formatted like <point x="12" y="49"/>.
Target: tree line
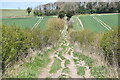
<point x="77" y="7"/>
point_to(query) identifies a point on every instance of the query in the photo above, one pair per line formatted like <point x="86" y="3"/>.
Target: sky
<point x="22" y="4"/>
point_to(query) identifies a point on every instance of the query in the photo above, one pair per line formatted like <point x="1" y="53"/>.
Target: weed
<point x="99" y="72"/>
<point x="56" y="66"/>
<point x="81" y="71"/>
<point x="65" y="70"/>
<point x="62" y="57"/>
<point x="67" y="62"/>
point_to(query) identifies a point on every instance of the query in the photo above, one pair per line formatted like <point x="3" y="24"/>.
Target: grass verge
<point x="99" y="72"/>
<point x="32" y="69"/>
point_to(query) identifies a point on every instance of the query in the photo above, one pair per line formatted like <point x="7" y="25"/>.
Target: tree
<point x="29" y="10"/>
<point x="61" y="14"/>
<point x="81" y="10"/>
<point x="69" y="14"/>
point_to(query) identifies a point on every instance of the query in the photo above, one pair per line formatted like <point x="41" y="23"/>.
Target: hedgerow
<point x="110" y="46"/>
<point x="17" y="42"/>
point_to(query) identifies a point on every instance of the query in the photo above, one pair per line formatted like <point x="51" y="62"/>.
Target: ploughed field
<point x="96" y="22"/>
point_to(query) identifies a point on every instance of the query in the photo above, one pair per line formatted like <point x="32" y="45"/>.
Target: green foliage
<point x="75" y="54"/>
<point x="29" y="10"/>
<point x="76" y="61"/>
<point x="65" y="70"/>
<point x="67" y="62"/>
<point x="89" y="61"/>
<point x="17" y="42"/>
<point x="69" y="14"/>
<point x="62" y="57"/>
<point x="56" y="66"/>
<point x="61" y="14"/>
<point x="81" y="10"/>
<point x="84" y="37"/>
<point x="81" y="71"/>
<point x="38" y="13"/>
<point x="62" y="51"/>
<point x="99" y="72"/>
<point x="110" y="46"/>
<point x="32" y="69"/>
<point x="56" y="23"/>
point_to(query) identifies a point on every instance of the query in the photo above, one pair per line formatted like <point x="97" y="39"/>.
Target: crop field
<point x="31" y="22"/>
<point x="14" y="12"/>
<point x="96" y="23"/>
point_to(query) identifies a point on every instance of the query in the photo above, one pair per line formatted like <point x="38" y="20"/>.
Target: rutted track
<point x="68" y="54"/>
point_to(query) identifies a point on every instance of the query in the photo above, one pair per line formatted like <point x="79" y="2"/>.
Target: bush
<point x="84" y="36"/>
<point x="81" y="71"/>
<point x="16" y="42"/>
<point x="99" y="72"/>
<point x="38" y="13"/>
<point x="110" y="47"/>
<point x="56" y="23"/>
<point x="61" y="14"/>
<point x="69" y="14"/>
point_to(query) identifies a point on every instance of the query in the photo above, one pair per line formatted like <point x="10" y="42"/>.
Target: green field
<point x="14" y="12"/>
<point x="27" y="22"/>
<point x="96" y="25"/>
<point x="89" y="21"/>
